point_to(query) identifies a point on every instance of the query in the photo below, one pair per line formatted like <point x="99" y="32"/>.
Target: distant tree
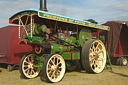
<point x="92" y="21"/>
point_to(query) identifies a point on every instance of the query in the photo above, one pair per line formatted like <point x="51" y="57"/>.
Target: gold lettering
<point x="54" y="17"/>
<point x="71" y="21"/>
<point x="92" y="25"/>
<point x="45" y="15"/>
<point x="65" y="20"/>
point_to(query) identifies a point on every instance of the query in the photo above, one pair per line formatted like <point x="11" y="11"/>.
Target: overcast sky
<point x="99" y="10"/>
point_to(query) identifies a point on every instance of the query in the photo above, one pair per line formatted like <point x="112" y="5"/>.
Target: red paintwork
<point x="22" y="41"/>
<point x="119" y="51"/>
<point x="122" y="46"/>
<point x="10" y="51"/>
<point x="94" y="35"/>
<point x="10" y="21"/>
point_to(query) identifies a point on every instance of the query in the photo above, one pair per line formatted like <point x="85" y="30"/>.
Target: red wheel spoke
<point x="25" y="65"/>
<point x="33" y="71"/>
<point x="52" y="62"/>
<point x="53" y="74"/>
<point x="28" y="59"/>
<point x="92" y="58"/>
<point x="27" y="69"/>
<point x="26" y="62"/>
<point x="59" y="63"/>
<point x="31" y="59"/>
<point x="28" y="72"/>
<point x="49" y="72"/>
<point x="97" y="46"/>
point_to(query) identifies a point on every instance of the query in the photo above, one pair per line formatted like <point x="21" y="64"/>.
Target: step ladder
<point x="108" y="63"/>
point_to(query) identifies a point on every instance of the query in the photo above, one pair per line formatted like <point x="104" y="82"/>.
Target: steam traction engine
<point x="59" y="42"/>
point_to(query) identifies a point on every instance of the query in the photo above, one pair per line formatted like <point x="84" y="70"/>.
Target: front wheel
<point x="26" y="66"/>
<point x="93" y="56"/>
<point x="54" y="68"/>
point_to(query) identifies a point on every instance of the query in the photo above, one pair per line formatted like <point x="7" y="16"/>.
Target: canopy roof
<point x="37" y="14"/>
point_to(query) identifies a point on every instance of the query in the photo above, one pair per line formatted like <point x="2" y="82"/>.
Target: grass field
<point x="118" y="76"/>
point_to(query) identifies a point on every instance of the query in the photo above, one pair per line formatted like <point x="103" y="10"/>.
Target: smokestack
<point x="43" y="5"/>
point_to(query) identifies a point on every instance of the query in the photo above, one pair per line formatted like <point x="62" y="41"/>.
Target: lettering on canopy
<point x="70" y="20"/>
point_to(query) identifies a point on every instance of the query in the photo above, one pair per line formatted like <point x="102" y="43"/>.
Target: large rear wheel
<point x="93" y="56"/>
<point x="54" y="68"/>
<point x="26" y="66"/>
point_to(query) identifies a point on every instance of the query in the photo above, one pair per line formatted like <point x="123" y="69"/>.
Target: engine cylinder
<point x="43" y="48"/>
<point x="48" y="47"/>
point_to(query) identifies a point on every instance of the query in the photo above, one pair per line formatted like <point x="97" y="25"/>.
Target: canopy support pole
<point x="31" y="26"/>
<point x="19" y="30"/>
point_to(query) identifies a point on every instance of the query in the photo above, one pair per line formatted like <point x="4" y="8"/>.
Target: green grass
<point x="118" y="76"/>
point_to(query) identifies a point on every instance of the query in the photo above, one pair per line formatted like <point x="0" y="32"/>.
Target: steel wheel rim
<point x="28" y="69"/>
<point x="55" y="68"/>
<point x="97" y="56"/>
<point x="125" y="61"/>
